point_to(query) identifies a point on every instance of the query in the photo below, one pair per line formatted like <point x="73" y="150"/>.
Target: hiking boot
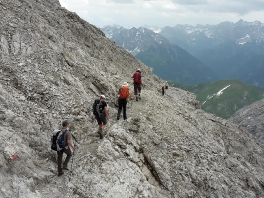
<point x="136" y="98"/>
<point x="65" y="168"/>
<point x="60" y="174"/>
<point x="100" y="134"/>
<point x="118" y="118"/>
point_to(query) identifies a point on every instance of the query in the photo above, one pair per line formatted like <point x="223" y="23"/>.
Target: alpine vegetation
<point x="54" y="65"/>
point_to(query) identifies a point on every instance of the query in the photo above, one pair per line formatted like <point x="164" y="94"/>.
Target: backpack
<point x="98" y="108"/>
<point x="137" y="77"/>
<point x="166" y="86"/>
<point x="124" y="92"/>
<point x="57" y="140"/>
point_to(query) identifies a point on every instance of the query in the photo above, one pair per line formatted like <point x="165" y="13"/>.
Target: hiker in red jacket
<point x="137" y="83"/>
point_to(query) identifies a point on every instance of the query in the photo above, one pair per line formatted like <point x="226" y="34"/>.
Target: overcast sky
<point x="162" y="13"/>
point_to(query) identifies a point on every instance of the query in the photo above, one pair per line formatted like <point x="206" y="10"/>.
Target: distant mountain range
<point x="232" y="50"/>
<point x="223" y="98"/>
<point x="224" y="51"/>
<point x="168" y="60"/>
<point x="200" y="37"/>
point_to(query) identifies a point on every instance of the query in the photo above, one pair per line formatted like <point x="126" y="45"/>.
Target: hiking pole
<point x="72" y="159"/>
<point x="71" y="170"/>
<point x="75" y="139"/>
<point x="73" y="152"/>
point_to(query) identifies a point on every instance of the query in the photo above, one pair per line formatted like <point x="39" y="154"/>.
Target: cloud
<point x="122" y="1"/>
<point x="63" y="4"/>
<point x="170" y="6"/>
<point x="240" y="6"/>
<point x="190" y="2"/>
<point x="147" y="6"/>
<point x="165" y="12"/>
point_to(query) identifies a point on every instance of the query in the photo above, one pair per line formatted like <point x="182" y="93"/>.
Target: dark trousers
<point x="60" y="155"/>
<point x="122" y="105"/>
<point x="163" y="91"/>
<point x="137" y="88"/>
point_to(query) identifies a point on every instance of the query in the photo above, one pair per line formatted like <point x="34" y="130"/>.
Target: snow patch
<point x="217" y="94"/>
<point x="242" y="43"/>
<point x="221" y="91"/>
<point x="154" y="29"/>
<point x="244" y="39"/>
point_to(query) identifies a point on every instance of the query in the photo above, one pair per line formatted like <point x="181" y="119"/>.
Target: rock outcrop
<point x="53" y="65"/>
<point x="251" y="118"/>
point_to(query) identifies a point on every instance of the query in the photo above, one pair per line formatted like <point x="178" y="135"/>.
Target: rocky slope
<point x="251" y="118"/>
<point x="53" y="65"/>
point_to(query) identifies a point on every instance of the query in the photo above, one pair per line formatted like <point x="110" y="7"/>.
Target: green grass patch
<point x="148" y="119"/>
<point x="236" y="96"/>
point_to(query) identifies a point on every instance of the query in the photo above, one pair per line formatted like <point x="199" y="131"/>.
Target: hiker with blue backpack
<point x="100" y="112"/>
<point x="67" y="142"/>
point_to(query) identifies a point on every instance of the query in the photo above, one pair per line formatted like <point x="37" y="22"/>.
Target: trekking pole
<point x="75" y="139"/>
<point x="71" y="170"/>
<point x="72" y="160"/>
<point x="73" y="152"/>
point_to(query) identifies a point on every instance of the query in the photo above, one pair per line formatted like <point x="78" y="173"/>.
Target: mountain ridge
<point x="168" y="61"/>
<point x="229" y="50"/>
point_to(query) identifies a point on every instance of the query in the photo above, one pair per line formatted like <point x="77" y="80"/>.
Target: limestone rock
<point x="251" y="118"/>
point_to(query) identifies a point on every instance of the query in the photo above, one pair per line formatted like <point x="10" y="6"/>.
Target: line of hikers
<point x="100" y="109"/>
<point x="62" y="139"/>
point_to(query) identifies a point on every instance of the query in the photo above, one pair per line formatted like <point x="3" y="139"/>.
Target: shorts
<point x="101" y="120"/>
<point x="137" y="88"/>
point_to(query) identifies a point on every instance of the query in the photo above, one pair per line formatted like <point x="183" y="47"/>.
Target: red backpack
<point x="137" y="77"/>
<point x="124" y="92"/>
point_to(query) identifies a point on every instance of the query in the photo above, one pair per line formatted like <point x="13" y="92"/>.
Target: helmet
<point x="102" y="96"/>
<point x="138" y="69"/>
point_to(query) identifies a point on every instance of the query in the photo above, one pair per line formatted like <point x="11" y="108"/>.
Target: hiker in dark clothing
<point x="137" y="83"/>
<point x="124" y="94"/>
<point x="67" y="150"/>
<point x="101" y="116"/>
<point x="165" y="86"/>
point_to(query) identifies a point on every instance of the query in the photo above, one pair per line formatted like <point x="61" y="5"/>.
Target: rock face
<point x="53" y="65"/>
<point x="252" y="119"/>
